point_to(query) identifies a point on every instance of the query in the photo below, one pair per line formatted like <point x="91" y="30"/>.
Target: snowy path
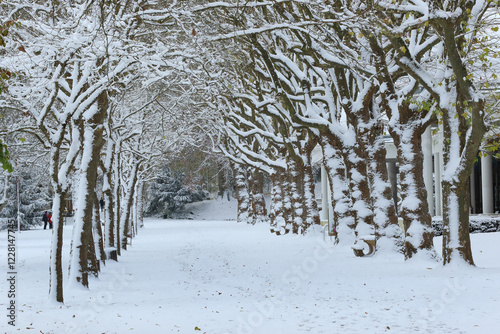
<point x="224" y="277"/>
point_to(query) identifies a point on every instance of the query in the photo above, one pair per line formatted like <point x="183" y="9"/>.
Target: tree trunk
<point x="127" y="209"/>
<point x="222" y="181"/>
<point x="98" y="228"/>
<point x="310" y="204"/>
<point x="55" y="269"/>
<point x="276" y="205"/>
<point x="117" y="170"/>
<point x="461" y="145"/>
<point x="134" y="211"/>
<point x="296" y="189"/>
<point x="456" y="238"/>
<point x="242" y="193"/>
<point x="84" y="260"/>
<point x="287" y="194"/>
<point x="359" y="187"/>
<point x="107" y="190"/>
<point x="140" y="204"/>
<point x="414" y="207"/>
<point x="343" y="216"/>
<point x="385" y="218"/>
<point x="58" y="174"/>
<point x="258" y="211"/>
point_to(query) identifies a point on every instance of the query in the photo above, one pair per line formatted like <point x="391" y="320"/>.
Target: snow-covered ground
<point x="194" y="276"/>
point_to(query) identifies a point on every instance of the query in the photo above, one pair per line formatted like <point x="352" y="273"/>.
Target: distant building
<point x="484" y="180"/>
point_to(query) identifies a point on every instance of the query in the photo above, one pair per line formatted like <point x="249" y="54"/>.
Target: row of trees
<point x="106" y="90"/>
<point x="342" y="74"/>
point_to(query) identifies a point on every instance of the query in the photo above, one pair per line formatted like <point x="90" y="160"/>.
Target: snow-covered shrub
<point x="199" y="194"/>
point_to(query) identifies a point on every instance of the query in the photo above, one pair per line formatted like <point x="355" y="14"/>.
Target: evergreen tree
<point x="34" y="197"/>
<point x="168" y="194"/>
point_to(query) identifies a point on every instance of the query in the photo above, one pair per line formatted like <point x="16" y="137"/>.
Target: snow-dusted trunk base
<point x="341" y="201"/>
<point x="312" y="215"/>
<point x="242" y="194"/>
<point x="83" y="256"/>
<point x="456" y="237"/>
<point x="296" y="189"/>
<point x="276" y="207"/>
<point x="359" y="187"/>
<point x="302" y="192"/>
<point x="59" y="174"/>
<point x="384" y="209"/>
<point x="414" y="207"/>
<point x="463" y="136"/>
<point x="109" y="219"/>
<point x="140" y="204"/>
<point x="257" y="209"/>
<point x="361" y="195"/>
<point x="127" y="205"/>
<point x="107" y="190"/>
<point x="55" y="269"/>
<point x="387" y="230"/>
<point x="459" y="153"/>
<point x="117" y="170"/>
<point x="99" y="242"/>
<point x="83" y="253"/>
<point x="241" y="189"/>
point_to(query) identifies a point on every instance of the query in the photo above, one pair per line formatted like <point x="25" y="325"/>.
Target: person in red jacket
<point x="50" y="219"/>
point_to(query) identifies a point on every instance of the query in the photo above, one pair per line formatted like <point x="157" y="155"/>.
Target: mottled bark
<point x="98" y="228"/>
<point x="414" y="207"/>
<point x="276" y="205"/>
<point x="384" y="210"/>
<point x="310" y="204"/>
<point x="83" y="247"/>
<point x="455" y="183"/>
<point x="55" y="269"/>
<point x="88" y="260"/>
<point x="58" y="174"/>
<point x="242" y="194"/>
<point x="463" y="130"/>
<point x="127" y="208"/>
<point x="288" y="212"/>
<point x="333" y="161"/>
<point x="109" y="217"/>
<point x="456" y="237"/>
<point x="117" y="170"/>
<point x="258" y="211"/>
<point x="296" y="189"/>
<point x="359" y="187"/>
<point x="140" y="204"/>
<point x="406" y="128"/>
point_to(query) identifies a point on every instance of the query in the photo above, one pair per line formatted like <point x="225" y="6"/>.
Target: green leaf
<point x="4" y="158"/>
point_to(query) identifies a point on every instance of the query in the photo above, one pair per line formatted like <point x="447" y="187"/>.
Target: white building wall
<point x="427" y="170"/>
<point x="487" y="183"/>
<point x="433" y="168"/>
